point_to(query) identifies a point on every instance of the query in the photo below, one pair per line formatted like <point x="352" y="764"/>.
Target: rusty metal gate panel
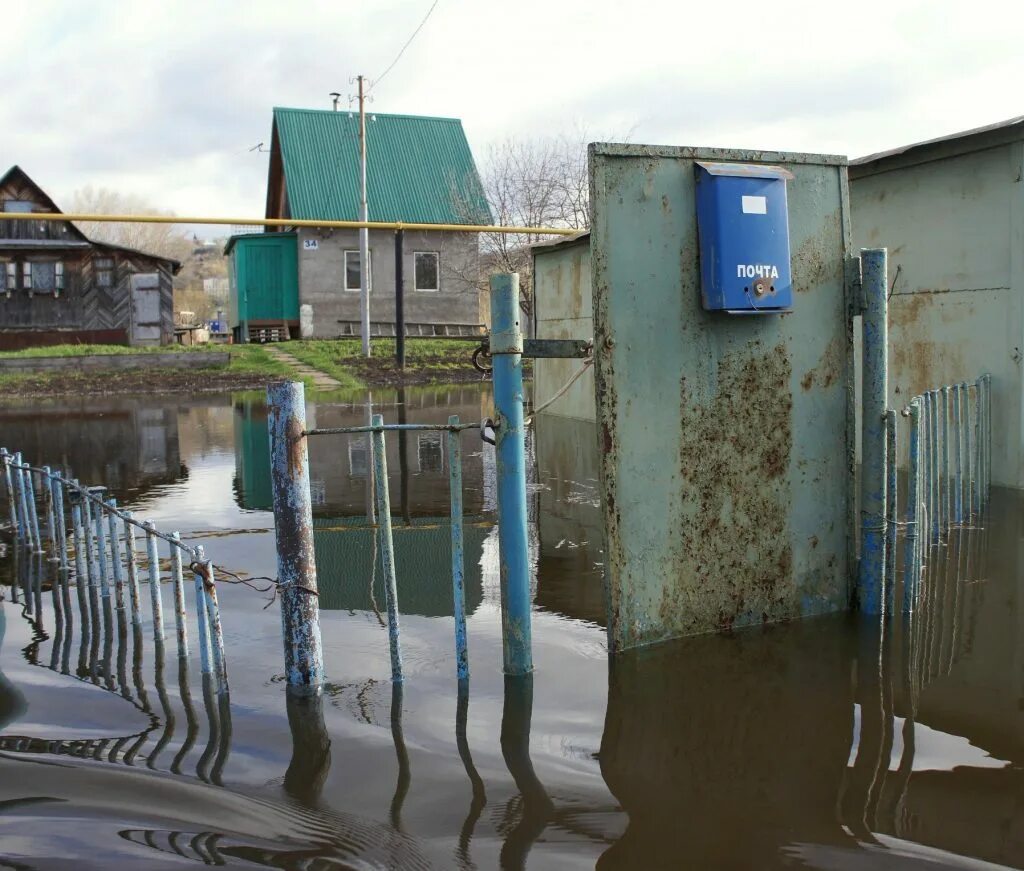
<point x="726" y="440"/>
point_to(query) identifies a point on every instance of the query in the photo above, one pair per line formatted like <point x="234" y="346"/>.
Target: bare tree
<point x="530" y="183"/>
<point x="164" y="240"/>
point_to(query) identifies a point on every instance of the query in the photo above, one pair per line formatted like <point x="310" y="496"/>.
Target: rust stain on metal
<point x="828" y="369"/>
<point x="814" y="263"/>
<point x="734" y="558"/>
<point x="296" y="447"/>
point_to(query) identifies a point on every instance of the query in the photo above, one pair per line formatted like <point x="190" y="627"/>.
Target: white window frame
<point x="58" y="276"/>
<point x="106" y="265"/>
<point x="415" y="256"/>
<point x="369" y="273"/>
<point x="10" y="277"/>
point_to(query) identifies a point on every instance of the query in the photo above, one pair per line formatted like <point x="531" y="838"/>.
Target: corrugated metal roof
<point x="419" y="169"/>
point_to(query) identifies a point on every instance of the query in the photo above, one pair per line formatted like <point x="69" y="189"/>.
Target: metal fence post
<point x="213" y="622"/>
<point x="46" y="483"/>
<point x="293" y="523"/>
<point x="987" y="444"/>
<point x="387" y="545"/>
<point x="911" y="572"/>
<point x="117" y="569"/>
<point x="947" y="462"/>
<point x="458" y="559"/>
<point x="91" y="570"/>
<point x="12" y="508"/>
<point x="33" y="515"/>
<point x="933" y="461"/>
<point x="25" y="524"/>
<point x="506" y="350"/>
<point x="57" y="485"/>
<point x="890" y="511"/>
<point x="101" y="547"/>
<point x="154" y="583"/>
<point x="133" y="568"/>
<point x="179" y="596"/>
<point x="976" y="452"/>
<point x="873" y="434"/>
<point x="958" y="452"/>
<point x="205" y="660"/>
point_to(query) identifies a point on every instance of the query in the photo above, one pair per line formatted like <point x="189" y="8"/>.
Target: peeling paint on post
<point x="33" y="515"/>
<point x="458" y="560"/>
<point x="873" y="438"/>
<point x="25" y="524"/>
<point x="62" y="532"/>
<point x="205" y="659"/>
<point x="293" y="524"/>
<point x="513" y="543"/>
<point x="101" y="545"/>
<point x="154" y="583"/>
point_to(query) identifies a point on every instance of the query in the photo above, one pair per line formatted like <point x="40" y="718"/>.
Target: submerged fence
<point x="102" y="559"/>
<point x="948" y="485"/>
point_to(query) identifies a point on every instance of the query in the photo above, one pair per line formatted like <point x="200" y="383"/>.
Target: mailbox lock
<point x="761" y="287"/>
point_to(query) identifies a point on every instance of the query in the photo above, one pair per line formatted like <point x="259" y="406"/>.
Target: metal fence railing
<point x="95" y="547"/>
<point x="949" y="476"/>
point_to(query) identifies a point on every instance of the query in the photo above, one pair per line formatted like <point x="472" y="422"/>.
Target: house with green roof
<point x="419" y="170"/>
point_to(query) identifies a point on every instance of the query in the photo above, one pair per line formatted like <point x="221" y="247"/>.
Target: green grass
<point x="99" y="350"/>
<point x="335" y="356"/>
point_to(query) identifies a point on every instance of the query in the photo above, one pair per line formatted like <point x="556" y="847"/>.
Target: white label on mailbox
<point x="755" y="205"/>
<point x="313" y="244"/>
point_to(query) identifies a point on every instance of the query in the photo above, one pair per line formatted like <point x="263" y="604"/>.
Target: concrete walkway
<point x="321" y="380"/>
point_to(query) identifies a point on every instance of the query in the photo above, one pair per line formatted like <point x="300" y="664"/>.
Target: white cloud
<point x="164" y="99"/>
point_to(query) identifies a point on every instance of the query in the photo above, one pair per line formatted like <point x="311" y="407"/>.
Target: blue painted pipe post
<point x="12" y="508"/>
<point x="506" y="351"/>
<point x="911" y="570"/>
<point x="117" y="569"/>
<point x="890" y="511"/>
<point x="33" y="515"/>
<point x="458" y="560"/>
<point x="133" y="568"/>
<point x="91" y="569"/>
<point x="155" y="593"/>
<point x="958" y="453"/>
<point x="179" y="597"/>
<point x="46" y="484"/>
<point x="293" y="523"/>
<point x="933" y="462"/>
<point x="212" y="607"/>
<point x="205" y="658"/>
<point x="873" y="432"/>
<point x="387" y="545"/>
<point x="22" y="497"/>
<point x="947" y="460"/>
<point x="101" y="543"/>
<point x="57" y="484"/>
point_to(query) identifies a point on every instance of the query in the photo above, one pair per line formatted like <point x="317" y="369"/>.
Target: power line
<point x="398" y="57"/>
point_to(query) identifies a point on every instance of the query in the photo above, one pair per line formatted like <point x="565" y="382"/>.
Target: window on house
<point x="430" y="452"/>
<point x="352" y="271"/>
<point x="104" y="267"/>
<point x="10" y="277"/>
<point x="43" y="276"/>
<point x="358" y="456"/>
<point x="17" y="206"/>
<point x="427" y="271"/>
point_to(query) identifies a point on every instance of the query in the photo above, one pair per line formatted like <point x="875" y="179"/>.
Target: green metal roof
<point x="419" y="169"/>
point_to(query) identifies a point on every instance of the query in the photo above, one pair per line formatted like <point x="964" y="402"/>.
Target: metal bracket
<point x="856" y="285"/>
<point x="548" y="348"/>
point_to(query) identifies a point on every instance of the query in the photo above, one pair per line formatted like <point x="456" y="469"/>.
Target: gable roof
<point x="419" y="169"/>
<point x="17" y="175"/>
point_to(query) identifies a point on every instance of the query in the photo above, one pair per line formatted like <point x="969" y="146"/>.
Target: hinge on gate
<point x="855" y="284"/>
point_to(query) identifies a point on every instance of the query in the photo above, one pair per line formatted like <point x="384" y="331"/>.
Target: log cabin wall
<point x="57" y="286"/>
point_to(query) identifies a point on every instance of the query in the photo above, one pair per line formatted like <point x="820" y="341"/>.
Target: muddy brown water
<point x="829" y="743"/>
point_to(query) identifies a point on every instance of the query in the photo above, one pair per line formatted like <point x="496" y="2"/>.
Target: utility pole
<point x="364" y="233"/>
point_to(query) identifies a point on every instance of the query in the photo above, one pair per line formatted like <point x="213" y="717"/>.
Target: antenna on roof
<point x="335" y="96"/>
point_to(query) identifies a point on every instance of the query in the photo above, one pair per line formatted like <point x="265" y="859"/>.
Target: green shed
<point x="264" y="280"/>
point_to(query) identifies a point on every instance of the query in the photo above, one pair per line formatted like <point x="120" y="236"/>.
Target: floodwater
<point x="827" y="743"/>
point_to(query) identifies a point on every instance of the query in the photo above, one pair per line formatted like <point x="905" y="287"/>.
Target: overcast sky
<point x="164" y="99"/>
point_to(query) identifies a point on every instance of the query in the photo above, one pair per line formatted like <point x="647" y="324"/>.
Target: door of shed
<point x="727" y="474"/>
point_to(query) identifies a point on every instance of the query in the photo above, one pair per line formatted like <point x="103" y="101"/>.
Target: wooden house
<point x="59" y="286"/>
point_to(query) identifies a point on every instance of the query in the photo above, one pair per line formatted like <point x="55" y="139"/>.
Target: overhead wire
<point x="408" y="42"/>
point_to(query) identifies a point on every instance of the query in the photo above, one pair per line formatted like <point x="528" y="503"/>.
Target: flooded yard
<point x="832" y="743"/>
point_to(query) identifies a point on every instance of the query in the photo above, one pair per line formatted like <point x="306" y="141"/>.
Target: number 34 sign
<point x="310" y="244"/>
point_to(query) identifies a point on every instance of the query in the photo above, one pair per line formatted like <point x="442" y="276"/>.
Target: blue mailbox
<point x="743" y="227"/>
